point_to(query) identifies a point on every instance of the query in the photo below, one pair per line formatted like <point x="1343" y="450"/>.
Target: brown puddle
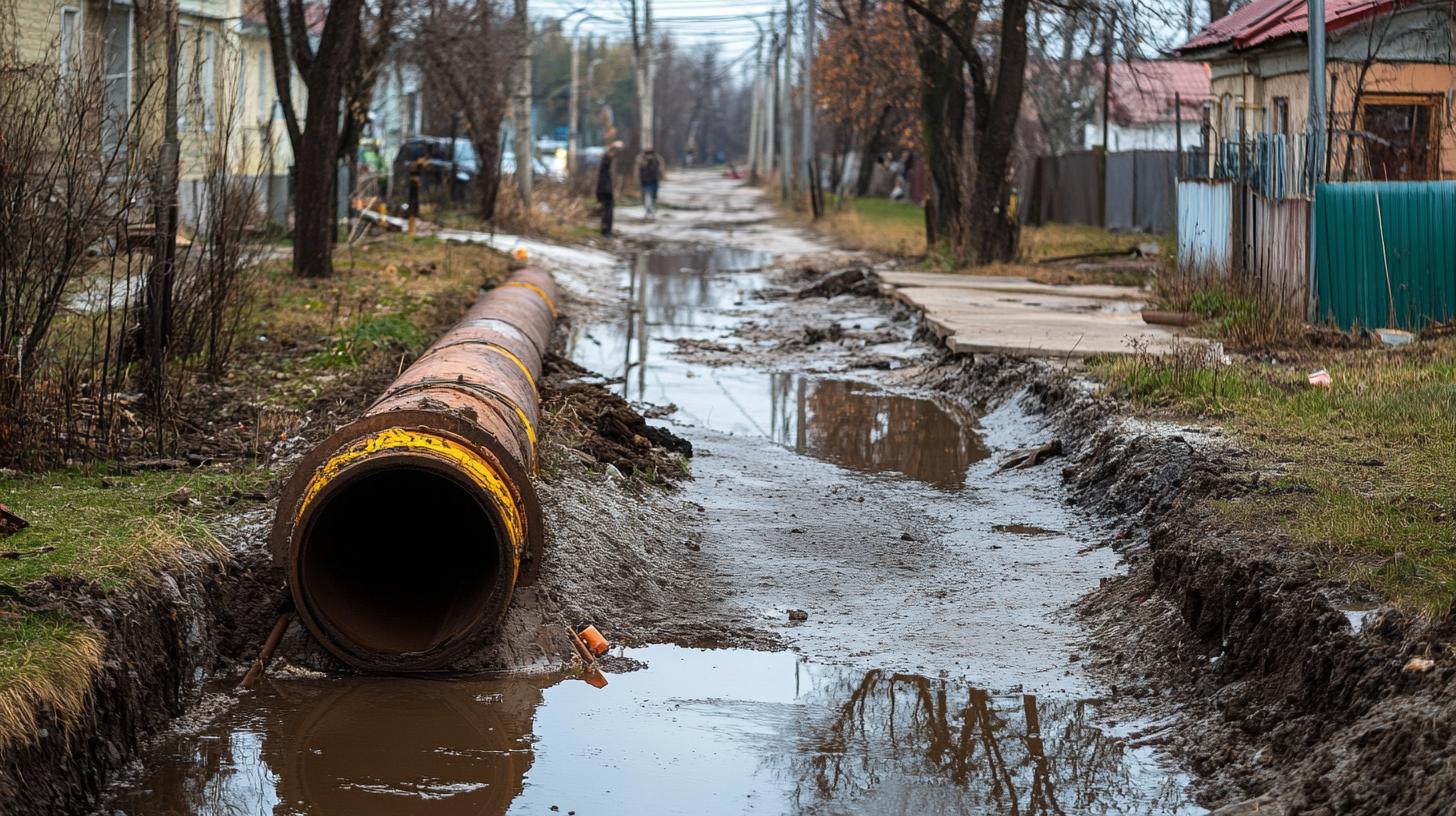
<point x="861" y="428"/>
<point x="678" y="296"/>
<point x="697" y="731"/>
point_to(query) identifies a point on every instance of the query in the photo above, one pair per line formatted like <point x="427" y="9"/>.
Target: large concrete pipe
<point x="405" y="533"/>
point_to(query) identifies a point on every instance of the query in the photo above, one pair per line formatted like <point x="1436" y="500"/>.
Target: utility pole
<point x="754" y="118"/>
<point x="786" y="103"/>
<point x="649" y="128"/>
<point x="811" y="175"/>
<point x="574" y="116"/>
<point x="1315" y="156"/>
<point x="522" y="107"/>
<point x="1107" y="76"/>
<point x="163" y="272"/>
<point x="644" y="72"/>
<point x="770" y="95"/>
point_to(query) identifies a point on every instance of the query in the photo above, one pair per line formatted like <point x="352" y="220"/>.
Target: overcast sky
<point x="733" y="25"/>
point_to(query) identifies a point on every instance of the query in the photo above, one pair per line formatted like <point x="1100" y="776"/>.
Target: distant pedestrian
<point x="649" y="173"/>
<point x="604" y="187"/>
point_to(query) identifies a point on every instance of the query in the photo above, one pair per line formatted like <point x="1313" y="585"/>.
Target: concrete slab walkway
<point x="1007" y="315"/>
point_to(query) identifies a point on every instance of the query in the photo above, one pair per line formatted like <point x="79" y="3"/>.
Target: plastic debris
<point x="1321" y="379"/>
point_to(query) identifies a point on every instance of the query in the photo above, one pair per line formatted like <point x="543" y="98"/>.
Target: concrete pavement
<point x="1008" y="315"/>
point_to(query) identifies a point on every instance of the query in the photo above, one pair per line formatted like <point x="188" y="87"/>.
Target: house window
<point x="265" y="87"/>
<point x="186" y="73"/>
<point x="1281" y="115"/>
<point x="1401" y="137"/>
<point x="116" y="53"/>
<point x="208" y="77"/>
<point x="70" y="39"/>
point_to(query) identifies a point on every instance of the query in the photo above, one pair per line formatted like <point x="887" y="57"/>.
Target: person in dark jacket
<point x="604" y="186"/>
<point x="649" y="174"/>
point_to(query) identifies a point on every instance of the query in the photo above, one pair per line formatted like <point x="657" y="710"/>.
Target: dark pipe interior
<point x="400" y="559"/>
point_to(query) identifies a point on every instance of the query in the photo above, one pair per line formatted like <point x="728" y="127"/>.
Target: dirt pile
<point x="600" y="424"/>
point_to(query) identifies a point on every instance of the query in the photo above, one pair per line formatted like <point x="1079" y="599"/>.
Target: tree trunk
<point x="943" y="115"/>
<point x="487" y="152"/>
<point x="315" y="222"/>
<point x="994" y="230"/>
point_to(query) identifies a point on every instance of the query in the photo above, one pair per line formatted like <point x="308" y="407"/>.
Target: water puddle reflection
<point x="698" y="731"/>
<point x="693" y="299"/>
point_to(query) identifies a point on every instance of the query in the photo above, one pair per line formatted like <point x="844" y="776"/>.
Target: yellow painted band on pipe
<point x="505" y="352"/>
<point x="538" y="290"/>
<point x="480" y="471"/>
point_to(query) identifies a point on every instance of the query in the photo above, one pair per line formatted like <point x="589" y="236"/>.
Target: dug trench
<point x="847" y="500"/>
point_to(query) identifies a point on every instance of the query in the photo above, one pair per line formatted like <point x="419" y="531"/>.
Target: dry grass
<point x="897" y="229"/>
<point x="1062" y="240"/>
<point x="1360" y="473"/>
<point x="45" y="662"/>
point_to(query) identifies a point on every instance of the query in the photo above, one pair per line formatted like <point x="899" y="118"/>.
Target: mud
<point x="852" y="474"/>
<point x="1281" y="691"/>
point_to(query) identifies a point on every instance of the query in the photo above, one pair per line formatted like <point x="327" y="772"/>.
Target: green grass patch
<point x="122" y="530"/>
<point x="1361" y="470"/>
<point x="44" y="659"/>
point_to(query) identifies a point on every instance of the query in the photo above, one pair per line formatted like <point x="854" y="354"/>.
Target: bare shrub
<point x="69" y="181"/>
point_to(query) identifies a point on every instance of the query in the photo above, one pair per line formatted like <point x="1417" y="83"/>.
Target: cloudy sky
<point x="733" y="25"/>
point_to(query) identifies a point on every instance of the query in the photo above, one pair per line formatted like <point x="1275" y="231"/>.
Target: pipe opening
<point x="400" y="559"/>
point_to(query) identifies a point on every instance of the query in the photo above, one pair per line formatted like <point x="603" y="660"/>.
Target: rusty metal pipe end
<point x="405" y="534"/>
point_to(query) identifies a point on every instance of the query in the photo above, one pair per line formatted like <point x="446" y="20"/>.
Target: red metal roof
<point x="1143" y="91"/>
<point x="1264" y="21"/>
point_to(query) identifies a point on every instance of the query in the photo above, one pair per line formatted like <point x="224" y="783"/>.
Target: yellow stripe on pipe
<point x="538" y="290"/>
<point x="465" y="459"/>
<point x="505" y="352"/>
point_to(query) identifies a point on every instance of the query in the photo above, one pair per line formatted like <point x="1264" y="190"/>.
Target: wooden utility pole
<point x="755" y="119"/>
<point x="811" y="175"/>
<point x="573" y="137"/>
<point x="1315" y="126"/>
<point x="786" y="106"/>
<point x="770" y="95"/>
<point x="163" y="270"/>
<point x="525" y="152"/>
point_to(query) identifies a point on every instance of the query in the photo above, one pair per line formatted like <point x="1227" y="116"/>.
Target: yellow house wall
<point x="1257" y="95"/>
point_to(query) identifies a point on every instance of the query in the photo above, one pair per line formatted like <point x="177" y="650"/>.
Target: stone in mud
<point x="798" y="615"/>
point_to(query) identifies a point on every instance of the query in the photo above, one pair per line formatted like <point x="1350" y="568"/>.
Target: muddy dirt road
<point x="903" y="601"/>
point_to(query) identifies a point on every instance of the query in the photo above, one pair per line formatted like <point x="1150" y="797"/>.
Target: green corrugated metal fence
<point x="1415" y="221"/>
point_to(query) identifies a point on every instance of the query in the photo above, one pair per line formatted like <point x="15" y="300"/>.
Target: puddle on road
<point x="697" y="732"/>
<point x="698" y="296"/>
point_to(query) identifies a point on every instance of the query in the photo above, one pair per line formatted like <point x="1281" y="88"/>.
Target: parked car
<point x="441" y="161"/>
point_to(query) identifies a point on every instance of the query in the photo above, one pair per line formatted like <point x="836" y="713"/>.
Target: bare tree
<point x="464" y="48"/>
<point x="324" y="68"/>
<point x="969" y="205"/>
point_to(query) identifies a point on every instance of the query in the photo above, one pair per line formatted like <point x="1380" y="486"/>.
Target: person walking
<point x="649" y="174"/>
<point x="604" y="187"/>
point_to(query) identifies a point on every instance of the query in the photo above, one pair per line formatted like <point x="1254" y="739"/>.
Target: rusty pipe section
<point x="405" y="533"/>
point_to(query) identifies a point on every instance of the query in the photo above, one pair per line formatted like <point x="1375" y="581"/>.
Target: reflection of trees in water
<point x="838" y="421"/>
<point x="902" y="743"/>
<point x="365" y="747"/>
